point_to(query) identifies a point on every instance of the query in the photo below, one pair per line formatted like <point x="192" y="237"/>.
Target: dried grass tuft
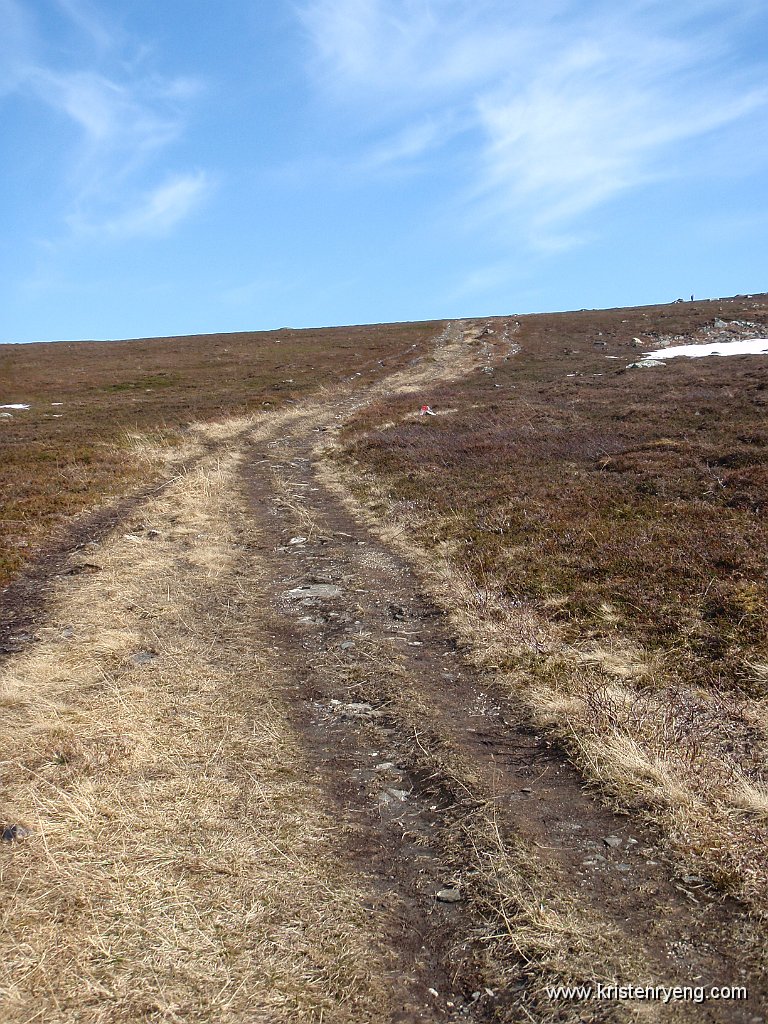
<point x="180" y="864"/>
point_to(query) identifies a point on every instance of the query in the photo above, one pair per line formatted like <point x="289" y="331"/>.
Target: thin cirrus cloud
<point x="155" y="213"/>
<point x="557" y="106"/>
<point x="123" y="121"/>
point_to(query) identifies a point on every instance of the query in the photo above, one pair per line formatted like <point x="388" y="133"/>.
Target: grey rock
<point x="357" y="709"/>
<point x="693" y="879"/>
<point x="298" y="540"/>
<point x="645" y="364"/>
<point x="10" y="833"/>
<point x="392" y="796"/>
<point x="311" y="590"/>
<point x="613" y="841"/>
<point x="346" y="645"/>
<point x="449" y="896"/>
<point x="398" y="794"/>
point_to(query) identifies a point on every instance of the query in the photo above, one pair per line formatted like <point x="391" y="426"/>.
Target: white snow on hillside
<point x="751" y="346"/>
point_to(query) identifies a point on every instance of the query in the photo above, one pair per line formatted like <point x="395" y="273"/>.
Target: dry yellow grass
<point x="180" y="864"/>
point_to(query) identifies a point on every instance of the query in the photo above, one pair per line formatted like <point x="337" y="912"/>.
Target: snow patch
<point x="751" y="346"/>
<point x="18" y="405"/>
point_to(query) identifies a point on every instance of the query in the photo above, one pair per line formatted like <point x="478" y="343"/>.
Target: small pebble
<point x="12" y="832"/>
<point x="449" y="896"/>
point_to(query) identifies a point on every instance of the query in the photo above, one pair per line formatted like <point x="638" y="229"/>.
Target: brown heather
<point x="606" y="530"/>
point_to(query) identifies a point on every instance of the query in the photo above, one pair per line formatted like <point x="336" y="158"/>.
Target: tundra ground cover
<point x="605" y="529"/>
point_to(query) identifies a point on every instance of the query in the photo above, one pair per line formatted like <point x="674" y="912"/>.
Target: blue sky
<point x="188" y="167"/>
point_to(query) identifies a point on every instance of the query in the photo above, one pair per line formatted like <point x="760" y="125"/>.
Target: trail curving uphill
<point x="262" y="783"/>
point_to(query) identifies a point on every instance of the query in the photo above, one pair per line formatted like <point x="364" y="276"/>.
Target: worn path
<point x="419" y="752"/>
<point x="263" y="783"/>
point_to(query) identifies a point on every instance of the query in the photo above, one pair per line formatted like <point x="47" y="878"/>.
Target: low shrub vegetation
<point x="605" y="528"/>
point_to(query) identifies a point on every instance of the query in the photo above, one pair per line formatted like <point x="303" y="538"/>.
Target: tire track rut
<point x="414" y="745"/>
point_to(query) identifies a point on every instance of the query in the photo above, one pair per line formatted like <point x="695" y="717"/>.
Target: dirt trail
<point x="339" y="819"/>
<point x="412" y="743"/>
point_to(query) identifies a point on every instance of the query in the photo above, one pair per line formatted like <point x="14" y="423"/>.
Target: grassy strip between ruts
<point x="180" y="862"/>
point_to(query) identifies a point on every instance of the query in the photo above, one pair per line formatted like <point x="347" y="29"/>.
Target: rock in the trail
<point x="356" y="709"/>
<point x="346" y="645"/>
<point x="311" y="590"/>
<point x="10" y="833"/>
<point x="449" y="896"/>
<point x="392" y="796"/>
<point x="298" y="540"/>
<point x="613" y="842"/>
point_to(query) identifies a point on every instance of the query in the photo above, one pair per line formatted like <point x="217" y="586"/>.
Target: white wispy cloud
<point x="406" y="51"/>
<point x="559" y="106"/>
<point x="123" y="117"/>
<point x="87" y="18"/>
<point x="155" y="213"/>
<point x="406" y="146"/>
